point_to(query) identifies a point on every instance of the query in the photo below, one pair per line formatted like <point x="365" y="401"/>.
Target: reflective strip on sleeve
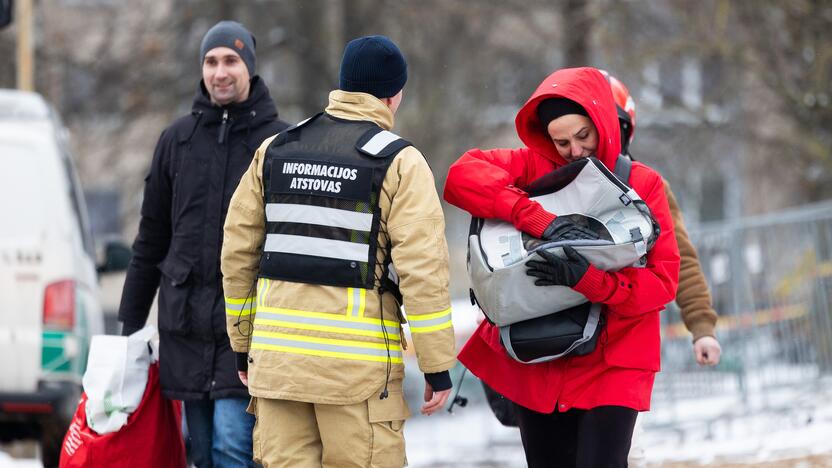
<point x="310" y="214"/>
<point x="317" y="247"/>
<point x="430" y="322"/>
<point x="240" y="307"/>
<point x="324" y="322"/>
<point x="325" y="347"/>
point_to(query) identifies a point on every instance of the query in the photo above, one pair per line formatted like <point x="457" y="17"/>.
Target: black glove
<point x="562" y="228"/>
<point x="556" y="271"/>
<point x="242" y="361"/>
<point x="439" y="381"/>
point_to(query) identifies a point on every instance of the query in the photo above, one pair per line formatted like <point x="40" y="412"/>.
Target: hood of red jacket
<point x="589" y="88"/>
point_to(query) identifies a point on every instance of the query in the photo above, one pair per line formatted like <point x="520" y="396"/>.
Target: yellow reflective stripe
<point x="430" y="322"/>
<point x="392" y="335"/>
<point x="320" y="353"/>
<point x="327" y="341"/>
<point x="328" y="316"/>
<point x="242" y="300"/>
<point x="315" y="346"/>
<point x="238" y="307"/>
<point x="262" y="289"/>
<point x="356" y="301"/>
<point x="435" y="315"/>
<point x="431" y="328"/>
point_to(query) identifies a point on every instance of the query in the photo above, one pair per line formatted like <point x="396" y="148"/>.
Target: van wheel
<point x="52" y="431"/>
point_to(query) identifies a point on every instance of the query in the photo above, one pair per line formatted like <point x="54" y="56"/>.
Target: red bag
<point x="151" y="437"/>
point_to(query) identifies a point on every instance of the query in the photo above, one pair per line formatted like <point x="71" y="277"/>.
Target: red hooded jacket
<point x="622" y="368"/>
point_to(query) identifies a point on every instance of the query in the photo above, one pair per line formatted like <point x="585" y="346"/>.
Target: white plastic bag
<point x="116" y="377"/>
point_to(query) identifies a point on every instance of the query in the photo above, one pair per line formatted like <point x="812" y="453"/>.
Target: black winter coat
<point x="196" y="167"/>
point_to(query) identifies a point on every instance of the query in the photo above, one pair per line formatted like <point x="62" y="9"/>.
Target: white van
<point x="49" y="306"/>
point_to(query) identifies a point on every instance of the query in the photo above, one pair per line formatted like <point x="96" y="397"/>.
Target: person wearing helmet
<point x="575" y="411"/>
<point x="693" y="296"/>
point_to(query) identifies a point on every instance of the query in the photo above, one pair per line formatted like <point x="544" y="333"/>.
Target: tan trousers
<point x="292" y="434"/>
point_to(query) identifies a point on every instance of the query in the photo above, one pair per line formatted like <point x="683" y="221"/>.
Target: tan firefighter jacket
<point x="326" y="344"/>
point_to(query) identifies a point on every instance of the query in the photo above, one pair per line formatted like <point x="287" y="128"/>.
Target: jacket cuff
<point x="242" y="361"/>
<point x="595" y="285"/>
<point x="128" y="329"/>
<point x="506" y="200"/>
<point x="701" y="329"/>
<point x="530" y="217"/>
<point x="439" y="381"/>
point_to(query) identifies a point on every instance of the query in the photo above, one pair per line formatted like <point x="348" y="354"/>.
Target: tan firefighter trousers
<point x="292" y="434"/>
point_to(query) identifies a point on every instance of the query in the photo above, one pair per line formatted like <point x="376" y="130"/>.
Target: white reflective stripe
<point x="239" y="306"/>
<point x="308" y="214"/>
<point x="355" y="301"/>
<point x="317" y="247"/>
<point x="379" y="141"/>
<point x="427" y="323"/>
<point x="310" y="322"/>
<point x="345" y="349"/>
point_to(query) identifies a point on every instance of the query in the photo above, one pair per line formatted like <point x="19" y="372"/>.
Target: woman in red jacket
<point x="576" y="411"/>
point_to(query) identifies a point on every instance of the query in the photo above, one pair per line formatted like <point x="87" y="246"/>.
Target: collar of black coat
<point x="257" y="109"/>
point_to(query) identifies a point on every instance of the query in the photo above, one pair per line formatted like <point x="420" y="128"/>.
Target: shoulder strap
<point x="623" y="165"/>
<point x="380" y="143"/>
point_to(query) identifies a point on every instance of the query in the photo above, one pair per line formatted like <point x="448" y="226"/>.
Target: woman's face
<point x="574" y="135"/>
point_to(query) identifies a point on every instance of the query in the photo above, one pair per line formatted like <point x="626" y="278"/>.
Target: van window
<point x="76" y="196"/>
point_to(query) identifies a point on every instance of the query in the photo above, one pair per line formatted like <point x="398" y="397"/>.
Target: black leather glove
<point x="563" y="228"/>
<point x="556" y="271"/>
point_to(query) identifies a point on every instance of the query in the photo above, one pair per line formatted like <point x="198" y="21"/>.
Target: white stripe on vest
<point x="309" y="214"/>
<point x="379" y="141"/>
<point x="317" y="247"/>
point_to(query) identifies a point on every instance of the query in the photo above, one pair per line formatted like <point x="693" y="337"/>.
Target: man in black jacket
<point x="196" y="167"/>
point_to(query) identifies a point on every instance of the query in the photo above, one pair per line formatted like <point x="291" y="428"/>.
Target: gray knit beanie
<point x="236" y="37"/>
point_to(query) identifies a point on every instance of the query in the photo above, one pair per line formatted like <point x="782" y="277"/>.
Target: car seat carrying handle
<point x="592" y="321"/>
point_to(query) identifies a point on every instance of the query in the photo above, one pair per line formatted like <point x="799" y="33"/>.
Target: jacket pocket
<point x="174" y="291"/>
<point x="633" y="342"/>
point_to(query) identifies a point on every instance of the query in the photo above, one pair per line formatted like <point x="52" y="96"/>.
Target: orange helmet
<point x="626" y="107"/>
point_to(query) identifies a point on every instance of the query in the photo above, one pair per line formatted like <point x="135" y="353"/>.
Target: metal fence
<point x="771" y="279"/>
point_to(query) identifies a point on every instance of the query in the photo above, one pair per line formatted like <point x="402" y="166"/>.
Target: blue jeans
<point x="219" y="432"/>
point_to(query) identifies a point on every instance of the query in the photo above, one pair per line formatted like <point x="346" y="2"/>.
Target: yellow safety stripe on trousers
<point x="326" y="347"/>
<point x="356" y="301"/>
<point x="320" y="322"/>
<point x="240" y="306"/>
<point x="430" y="322"/>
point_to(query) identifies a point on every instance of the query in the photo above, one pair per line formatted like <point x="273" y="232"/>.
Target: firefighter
<point x="336" y="226"/>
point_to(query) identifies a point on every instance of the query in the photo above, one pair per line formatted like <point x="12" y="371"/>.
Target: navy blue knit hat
<point x="373" y="65"/>
<point x="236" y="37"/>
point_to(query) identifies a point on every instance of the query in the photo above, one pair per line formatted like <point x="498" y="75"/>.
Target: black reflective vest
<point x="322" y="182"/>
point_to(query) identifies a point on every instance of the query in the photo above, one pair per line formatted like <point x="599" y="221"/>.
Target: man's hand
<point x="434" y="400"/>
<point x="707" y="351"/>
<point x="243" y="377"/>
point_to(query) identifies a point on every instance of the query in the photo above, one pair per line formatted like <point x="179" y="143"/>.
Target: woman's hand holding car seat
<point x="556" y="271"/>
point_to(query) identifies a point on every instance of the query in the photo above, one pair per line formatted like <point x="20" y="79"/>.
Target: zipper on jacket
<point x="223" y="127"/>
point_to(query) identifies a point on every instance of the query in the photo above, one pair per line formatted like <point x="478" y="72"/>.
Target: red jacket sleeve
<point x="484" y="183"/>
<point x="634" y="291"/>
